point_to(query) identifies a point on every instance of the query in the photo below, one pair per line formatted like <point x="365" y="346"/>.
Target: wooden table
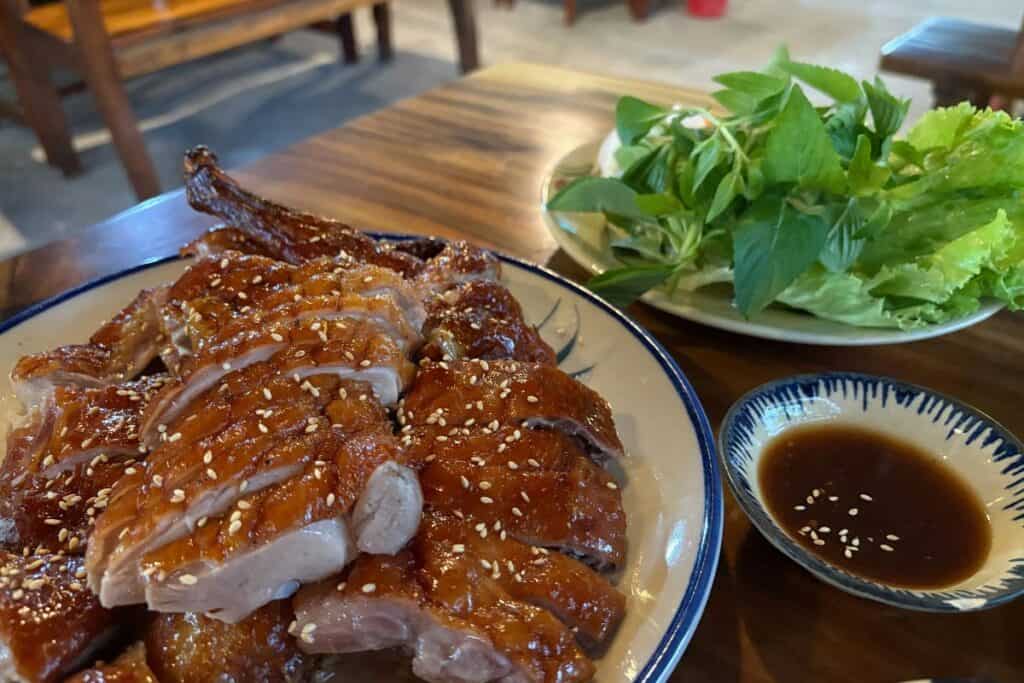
<point x="467" y="160"/>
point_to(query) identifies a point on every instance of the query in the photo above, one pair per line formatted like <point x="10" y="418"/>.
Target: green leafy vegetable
<point x="820" y="208"/>
<point x="634" y="118"/>
<point x="623" y="286"/>
<point x="773" y="244"/>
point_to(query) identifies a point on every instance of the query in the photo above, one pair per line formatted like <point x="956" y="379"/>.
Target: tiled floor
<point x="253" y="101"/>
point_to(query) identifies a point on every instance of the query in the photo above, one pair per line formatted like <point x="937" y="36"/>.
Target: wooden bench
<point x="106" y="41"/>
<point x="963" y="60"/>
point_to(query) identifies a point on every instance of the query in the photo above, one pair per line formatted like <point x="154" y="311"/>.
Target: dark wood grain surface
<point x="467" y="160"/>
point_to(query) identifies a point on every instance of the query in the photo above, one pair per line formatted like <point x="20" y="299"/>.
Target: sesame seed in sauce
<point x="211" y="473"/>
<point x="853" y="512"/>
<point x="866" y="497"/>
<point x="486" y="500"/>
<point x="612" y="485"/>
<point x="886" y="547"/>
<point x="201" y="522"/>
<point x="458" y="548"/>
<point x="892" y="537"/>
<point x="276" y="337"/>
<point x="226" y="365"/>
<point x="234" y="526"/>
<point x="365" y="363"/>
<point x="522" y="494"/>
<point x="174" y="437"/>
<point x="177" y="496"/>
<point x="517" y="512"/>
<point x="369" y="587"/>
<point x="485" y="485"/>
<point x="188" y="579"/>
<point x="532" y="399"/>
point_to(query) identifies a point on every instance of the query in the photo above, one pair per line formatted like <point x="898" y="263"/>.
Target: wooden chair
<point x="963" y="60"/>
<point x="106" y="41"/>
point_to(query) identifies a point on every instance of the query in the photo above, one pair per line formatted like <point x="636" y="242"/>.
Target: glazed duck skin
<point x="525" y="395"/>
<point x="49" y="621"/>
<point x="130" y="667"/>
<point x="280" y="232"/>
<point x="118" y="351"/>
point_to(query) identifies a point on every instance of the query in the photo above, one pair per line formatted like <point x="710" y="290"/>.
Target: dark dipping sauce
<point x="874" y="506"/>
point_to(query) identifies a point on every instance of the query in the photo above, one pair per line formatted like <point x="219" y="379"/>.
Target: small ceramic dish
<point x="985" y="455"/>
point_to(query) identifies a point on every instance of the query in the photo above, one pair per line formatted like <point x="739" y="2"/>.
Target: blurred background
<point x="252" y="94"/>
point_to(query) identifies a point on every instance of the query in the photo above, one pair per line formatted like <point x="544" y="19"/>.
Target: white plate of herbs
<point x="810" y="224"/>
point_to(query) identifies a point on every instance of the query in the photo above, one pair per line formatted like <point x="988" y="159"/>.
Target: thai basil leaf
<point x="623" y="286"/>
<point x="798" y="149"/>
<point x="605" y="195"/>
<point x="707" y="158"/>
<point x="728" y="189"/>
<point x="887" y="110"/>
<point x="658" y="204"/>
<point x="773" y="244"/>
<point x="864" y="175"/>
<point x="834" y="83"/>
<point x="634" y="118"/>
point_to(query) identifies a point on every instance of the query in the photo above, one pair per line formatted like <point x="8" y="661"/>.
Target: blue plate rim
<point x="684" y="622"/>
<point x="820" y="569"/>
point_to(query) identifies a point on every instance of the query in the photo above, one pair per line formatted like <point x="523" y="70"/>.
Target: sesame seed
<point x="819" y="541"/>
<point x="532" y="462"/>
<point x="369" y="587"/>
<point x="886" y="547"/>
<point x="174" y="437"/>
<point x="18" y="594"/>
<point x="485" y="485"/>
<point x="824" y="530"/>
<point x="853" y="512"/>
<point x="816" y="493"/>
<point x="330" y="499"/>
<point x="465" y="482"/>
<point x="262" y="427"/>
<point x="513" y="465"/>
<point x="62" y="535"/>
<point x="201" y="522"/>
<point x="522" y="494"/>
<point x="866" y="497"/>
<point x="365" y="363"/>
<point x="892" y="537"/>
<point x="486" y="500"/>
<point x="129" y="470"/>
<point x="458" y="548"/>
<point x="226" y="366"/>
<point x="51" y="521"/>
<point x="207" y="457"/>
<point x="532" y="399"/>
<point x="485" y="564"/>
<point x="234" y="526"/>
<point x="266" y="394"/>
<point x="810" y="500"/>
<point x="188" y="579"/>
<point x="441" y="437"/>
<point x="177" y="496"/>
<point x="799" y="508"/>
<point x="612" y="485"/>
<point x="848" y="554"/>
<point x="211" y="473"/>
<point x="517" y="512"/>
<point x="243" y="486"/>
<point x="276" y="337"/>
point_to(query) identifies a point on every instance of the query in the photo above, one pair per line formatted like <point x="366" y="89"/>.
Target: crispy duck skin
<point x="278" y="538"/>
<point x="60" y="466"/>
<point x="283" y="233"/>
<point x="508" y="392"/>
<point x="260" y="431"/>
<point x="357" y="350"/>
<point x="481" y="319"/>
<point x="458" y="262"/>
<point x="192" y="648"/>
<point x="576" y="510"/>
<point x="116" y="352"/>
<point x="217" y="297"/>
<point x="49" y="621"/>
<point x="129" y="667"/>
<point x="447" y="606"/>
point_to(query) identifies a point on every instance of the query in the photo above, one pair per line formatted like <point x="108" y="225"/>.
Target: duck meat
<point x="62" y="463"/>
<point x="280" y="232"/>
<point x="119" y="350"/>
<point x="481" y="319"/>
<point x="353" y="349"/>
<point x="313" y="461"/>
<point x="508" y="392"/>
<point x="443" y="605"/>
<point x="129" y="667"/>
<point x="189" y="648"/>
<point x="50" y="624"/>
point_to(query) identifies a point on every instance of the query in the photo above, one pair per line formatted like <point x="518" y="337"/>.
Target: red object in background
<point x="707" y="8"/>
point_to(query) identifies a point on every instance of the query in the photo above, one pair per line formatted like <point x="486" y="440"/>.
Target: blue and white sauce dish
<point x="982" y="453"/>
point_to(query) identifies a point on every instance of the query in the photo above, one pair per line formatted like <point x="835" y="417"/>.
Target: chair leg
<point x="100" y="71"/>
<point x="639" y="9"/>
<point x="39" y="99"/>
<point x="382" y="18"/>
<point x="347" y="35"/>
<point x="569" y="12"/>
<point x="465" y="34"/>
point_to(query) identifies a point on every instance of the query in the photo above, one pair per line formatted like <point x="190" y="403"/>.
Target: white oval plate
<point x="672" y="492"/>
<point x="582" y="237"/>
